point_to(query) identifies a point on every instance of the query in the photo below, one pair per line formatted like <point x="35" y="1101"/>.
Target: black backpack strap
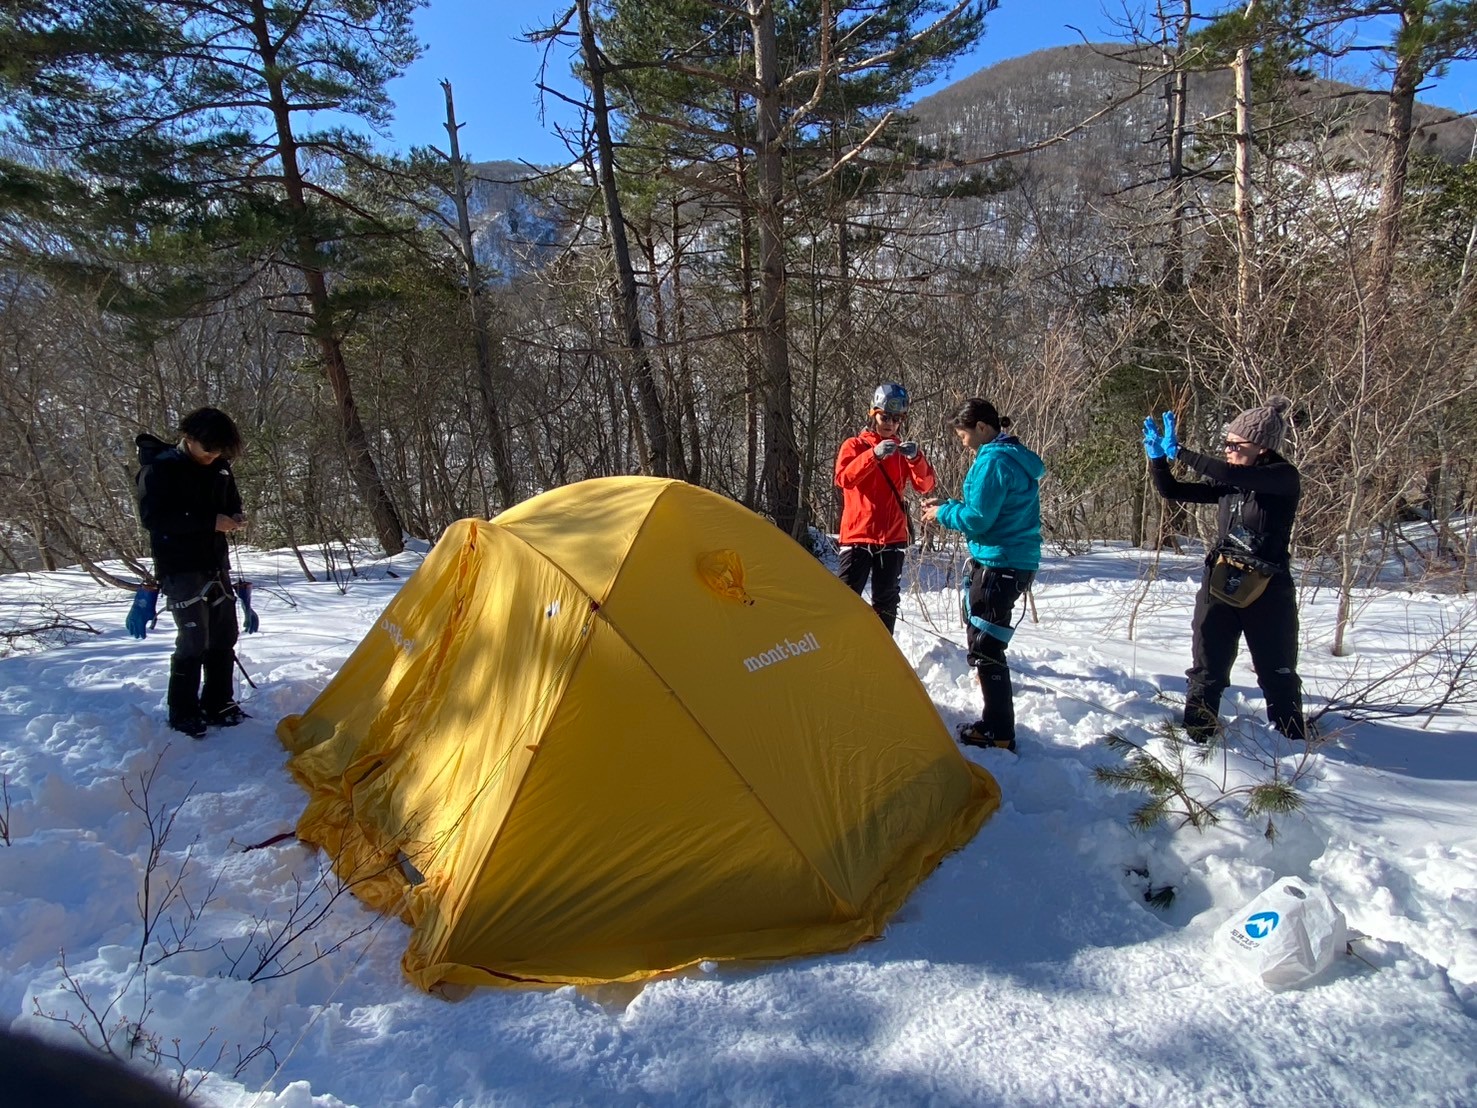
<point x="899" y="498"/>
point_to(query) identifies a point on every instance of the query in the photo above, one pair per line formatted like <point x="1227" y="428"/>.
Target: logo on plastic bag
<point x="1262" y="924"/>
<point x="1287" y="935"/>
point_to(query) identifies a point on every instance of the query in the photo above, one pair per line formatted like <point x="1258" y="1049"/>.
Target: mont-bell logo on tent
<point x="1256" y="928"/>
<point x="398" y="636"/>
<point x="781" y="651"/>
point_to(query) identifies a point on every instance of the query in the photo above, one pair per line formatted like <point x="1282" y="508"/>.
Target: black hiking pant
<point x="991" y="596"/>
<point x="204" y="610"/>
<point x="1270" y="626"/>
<point x="883" y="563"/>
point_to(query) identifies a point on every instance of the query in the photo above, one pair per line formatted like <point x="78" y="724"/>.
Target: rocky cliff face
<point x="515" y="231"/>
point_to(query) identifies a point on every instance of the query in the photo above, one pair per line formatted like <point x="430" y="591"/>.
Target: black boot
<point x="218" y="693"/>
<point x="183" y="697"/>
<point x="228" y="716"/>
<point x="1284" y="696"/>
<point x="1202" y="719"/>
<point x="977" y="734"/>
<point x="998" y="716"/>
<point x="1295" y="727"/>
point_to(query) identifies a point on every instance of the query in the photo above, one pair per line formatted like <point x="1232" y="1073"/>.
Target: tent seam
<point x="662" y="679"/>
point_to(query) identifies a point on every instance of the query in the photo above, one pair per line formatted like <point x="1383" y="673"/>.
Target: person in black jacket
<point x="1258" y="492"/>
<point x="188" y="502"/>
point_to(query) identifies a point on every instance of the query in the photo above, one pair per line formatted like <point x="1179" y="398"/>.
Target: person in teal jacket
<point x="999" y="513"/>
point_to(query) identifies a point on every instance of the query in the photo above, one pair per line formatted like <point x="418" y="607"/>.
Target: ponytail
<point x="978" y="410"/>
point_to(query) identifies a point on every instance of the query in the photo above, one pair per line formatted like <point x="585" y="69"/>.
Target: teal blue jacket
<point x="999" y="509"/>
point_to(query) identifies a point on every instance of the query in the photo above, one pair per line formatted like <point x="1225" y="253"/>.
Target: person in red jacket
<point x="873" y="470"/>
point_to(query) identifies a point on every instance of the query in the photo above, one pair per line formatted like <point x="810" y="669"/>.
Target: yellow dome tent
<point x="626" y="726"/>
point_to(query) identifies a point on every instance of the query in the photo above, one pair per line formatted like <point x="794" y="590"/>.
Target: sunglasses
<point x="1232" y="444"/>
<point x="891" y="417"/>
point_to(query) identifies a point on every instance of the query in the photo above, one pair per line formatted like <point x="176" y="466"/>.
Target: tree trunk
<point x="1245" y="225"/>
<point x="502" y="463"/>
<point x="747" y="316"/>
<point x="49" y="561"/>
<point x="693" y="459"/>
<point x="661" y="328"/>
<point x="309" y="262"/>
<point x="1176" y="93"/>
<point x="628" y="313"/>
<point x="1409" y="72"/>
<point x="781" y="455"/>
<point x="843" y="311"/>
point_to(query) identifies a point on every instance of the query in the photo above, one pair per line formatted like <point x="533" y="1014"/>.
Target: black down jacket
<point x="1257" y="503"/>
<point x="178" y="500"/>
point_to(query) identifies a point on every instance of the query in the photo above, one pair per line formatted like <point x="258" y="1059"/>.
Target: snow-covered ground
<point x="1029" y="969"/>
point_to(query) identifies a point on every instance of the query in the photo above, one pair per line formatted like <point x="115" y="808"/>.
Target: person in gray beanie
<point x="1247" y="589"/>
<point x="1265" y="426"/>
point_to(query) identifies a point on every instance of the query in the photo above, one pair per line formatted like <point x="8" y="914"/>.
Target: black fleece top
<point x="1265" y="492"/>
<point x="178" y="500"/>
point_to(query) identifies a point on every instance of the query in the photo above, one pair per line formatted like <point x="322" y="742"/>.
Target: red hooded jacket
<point x="869" y="510"/>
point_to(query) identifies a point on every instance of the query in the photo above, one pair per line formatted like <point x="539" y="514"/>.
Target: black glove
<point x="885" y="448"/>
<point x="909" y="449"/>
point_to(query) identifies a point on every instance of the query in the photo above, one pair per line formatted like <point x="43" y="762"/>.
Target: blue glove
<point x="1169" y="442"/>
<point x="249" y="621"/>
<point x="142" y="615"/>
<point x="1152" y="446"/>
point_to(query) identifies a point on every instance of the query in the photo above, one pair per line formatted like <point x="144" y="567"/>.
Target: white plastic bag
<point x="1285" y="936"/>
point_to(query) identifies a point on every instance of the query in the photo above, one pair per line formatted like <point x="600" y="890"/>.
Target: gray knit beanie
<point x="1266" y="426"/>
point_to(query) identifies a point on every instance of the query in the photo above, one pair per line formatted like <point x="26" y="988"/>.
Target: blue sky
<point x="475" y="44"/>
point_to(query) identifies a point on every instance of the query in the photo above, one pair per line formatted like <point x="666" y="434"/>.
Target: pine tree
<point x="207" y="129"/>
<point x="777" y="96"/>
